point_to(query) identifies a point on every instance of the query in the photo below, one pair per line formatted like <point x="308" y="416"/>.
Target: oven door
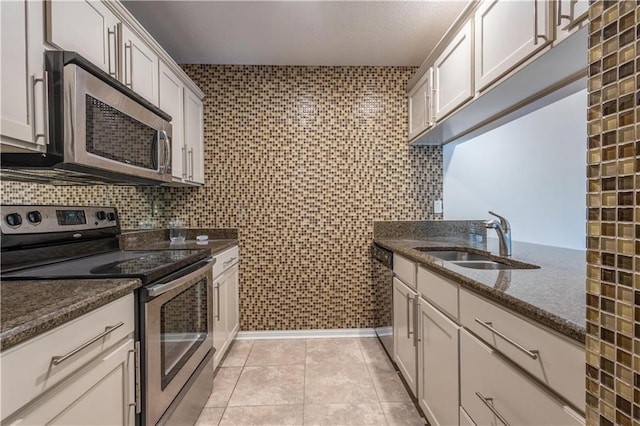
<point x="178" y="334"/>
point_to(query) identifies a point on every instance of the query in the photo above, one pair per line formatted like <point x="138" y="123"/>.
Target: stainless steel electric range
<point x="174" y="305"/>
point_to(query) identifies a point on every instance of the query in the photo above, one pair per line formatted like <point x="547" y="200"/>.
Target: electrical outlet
<point x="437" y="206"/>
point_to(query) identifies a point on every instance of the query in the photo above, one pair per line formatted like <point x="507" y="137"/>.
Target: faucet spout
<point x="503" y="228"/>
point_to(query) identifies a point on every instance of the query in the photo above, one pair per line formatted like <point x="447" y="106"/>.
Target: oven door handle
<point x="159" y="289"/>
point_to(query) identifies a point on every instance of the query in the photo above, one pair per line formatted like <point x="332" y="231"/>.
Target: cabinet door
<point x="219" y="319"/>
<point x="140" y="66"/>
<point x="420" y="112"/>
<point x="171" y="101"/>
<point x="507" y="33"/>
<point x="452" y="74"/>
<point x="86" y="27"/>
<point x="569" y="15"/>
<point x="22" y="110"/>
<point x="404" y="302"/>
<point x="493" y="392"/>
<point x="100" y="394"/>
<point x="194" y="136"/>
<point x="437" y="365"/>
<point x="231" y="305"/>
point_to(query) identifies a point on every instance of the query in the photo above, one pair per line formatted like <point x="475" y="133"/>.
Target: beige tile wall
<point x="302" y="160"/>
<point x="613" y="229"/>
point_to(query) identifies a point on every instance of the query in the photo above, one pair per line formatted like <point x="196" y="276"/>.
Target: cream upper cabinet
<point x="569" y="15"/>
<point x="86" y="27"/>
<point x="420" y="110"/>
<point x="453" y="76"/>
<point x="171" y="101"/>
<point x="194" y="137"/>
<point x="506" y="33"/>
<point x="22" y="111"/>
<point x="437" y="365"/>
<point x="139" y="66"/>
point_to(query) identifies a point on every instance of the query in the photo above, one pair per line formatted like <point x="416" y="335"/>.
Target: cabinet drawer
<point x="225" y="260"/>
<point x="28" y="370"/>
<point x="405" y="270"/>
<point x="510" y="393"/>
<point x="558" y="363"/>
<point x="439" y="291"/>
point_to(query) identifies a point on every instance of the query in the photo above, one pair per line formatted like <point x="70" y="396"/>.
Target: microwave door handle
<point x="159" y="289"/>
<point x="155" y="156"/>
<point x="167" y="152"/>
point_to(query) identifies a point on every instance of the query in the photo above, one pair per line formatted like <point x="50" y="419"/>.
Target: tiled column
<point x="613" y="230"/>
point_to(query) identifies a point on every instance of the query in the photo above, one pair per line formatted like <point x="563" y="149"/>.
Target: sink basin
<point x="471" y="260"/>
<point x="486" y="265"/>
<point x="453" y="255"/>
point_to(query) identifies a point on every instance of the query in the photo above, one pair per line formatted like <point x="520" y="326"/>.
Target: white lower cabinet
<point x="99" y="394"/>
<point x="471" y="362"/>
<point x="493" y="392"/>
<point x="404" y="328"/>
<point x="80" y="373"/>
<point x="226" y="320"/>
<point x="437" y="365"/>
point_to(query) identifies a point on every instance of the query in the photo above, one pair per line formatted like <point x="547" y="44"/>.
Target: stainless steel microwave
<point x="99" y="130"/>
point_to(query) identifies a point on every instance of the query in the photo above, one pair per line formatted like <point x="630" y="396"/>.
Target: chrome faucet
<point x="503" y="228"/>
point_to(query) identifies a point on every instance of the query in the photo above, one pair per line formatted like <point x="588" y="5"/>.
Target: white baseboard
<point x="306" y="334"/>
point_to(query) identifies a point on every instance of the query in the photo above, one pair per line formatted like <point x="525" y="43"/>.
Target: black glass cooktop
<point x="146" y="265"/>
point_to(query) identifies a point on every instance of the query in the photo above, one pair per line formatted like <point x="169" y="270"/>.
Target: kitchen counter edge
<point x="27" y="323"/>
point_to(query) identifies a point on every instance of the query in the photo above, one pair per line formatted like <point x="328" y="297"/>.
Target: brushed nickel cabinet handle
<point x="110" y="33"/>
<point x="409" y="332"/>
<point x="217" y="287"/>
<point x="533" y="354"/>
<point x="191" y="164"/>
<point x="45" y="89"/>
<point x="184" y="161"/>
<point x="57" y="360"/>
<point x="138" y="400"/>
<point x="128" y="64"/>
<point x="228" y="262"/>
<point x="489" y="403"/>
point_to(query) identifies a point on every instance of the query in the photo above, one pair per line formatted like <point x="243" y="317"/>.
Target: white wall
<point x="531" y="170"/>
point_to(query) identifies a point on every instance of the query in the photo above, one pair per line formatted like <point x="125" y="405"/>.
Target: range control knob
<point x="34" y="217"/>
<point x="13" y="219"/>
<point x="111" y="216"/>
<point x="101" y="215"/>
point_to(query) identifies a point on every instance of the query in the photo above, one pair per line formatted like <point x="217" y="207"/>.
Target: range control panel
<point x="46" y="219"/>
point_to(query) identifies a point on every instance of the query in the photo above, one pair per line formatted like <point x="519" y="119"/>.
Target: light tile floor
<point x="308" y="382"/>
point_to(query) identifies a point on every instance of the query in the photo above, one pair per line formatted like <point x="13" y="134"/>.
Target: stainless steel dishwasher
<point x="382" y="280"/>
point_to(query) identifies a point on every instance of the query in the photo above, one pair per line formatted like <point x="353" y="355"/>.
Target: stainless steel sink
<point x="452" y="256"/>
<point x="486" y="265"/>
<point x="472" y="260"/>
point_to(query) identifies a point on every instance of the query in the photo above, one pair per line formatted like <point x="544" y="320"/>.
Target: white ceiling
<point x="386" y="33"/>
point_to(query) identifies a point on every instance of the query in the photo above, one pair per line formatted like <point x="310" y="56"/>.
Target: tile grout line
<point x="236" y="383"/>
<point x="375" y="389"/>
<point x="304" y="381"/>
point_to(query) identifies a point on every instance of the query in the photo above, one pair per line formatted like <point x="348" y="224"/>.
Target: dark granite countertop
<point x="220" y="239"/>
<point x="28" y="308"/>
<point x="553" y="295"/>
<point x="214" y="246"/>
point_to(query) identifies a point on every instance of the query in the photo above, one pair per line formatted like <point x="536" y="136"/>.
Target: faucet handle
<point x="503" y="221"/>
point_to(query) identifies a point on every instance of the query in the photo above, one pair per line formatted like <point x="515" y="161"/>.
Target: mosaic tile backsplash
<point x="613" y="229"/>
<point x="302" y="160"/>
